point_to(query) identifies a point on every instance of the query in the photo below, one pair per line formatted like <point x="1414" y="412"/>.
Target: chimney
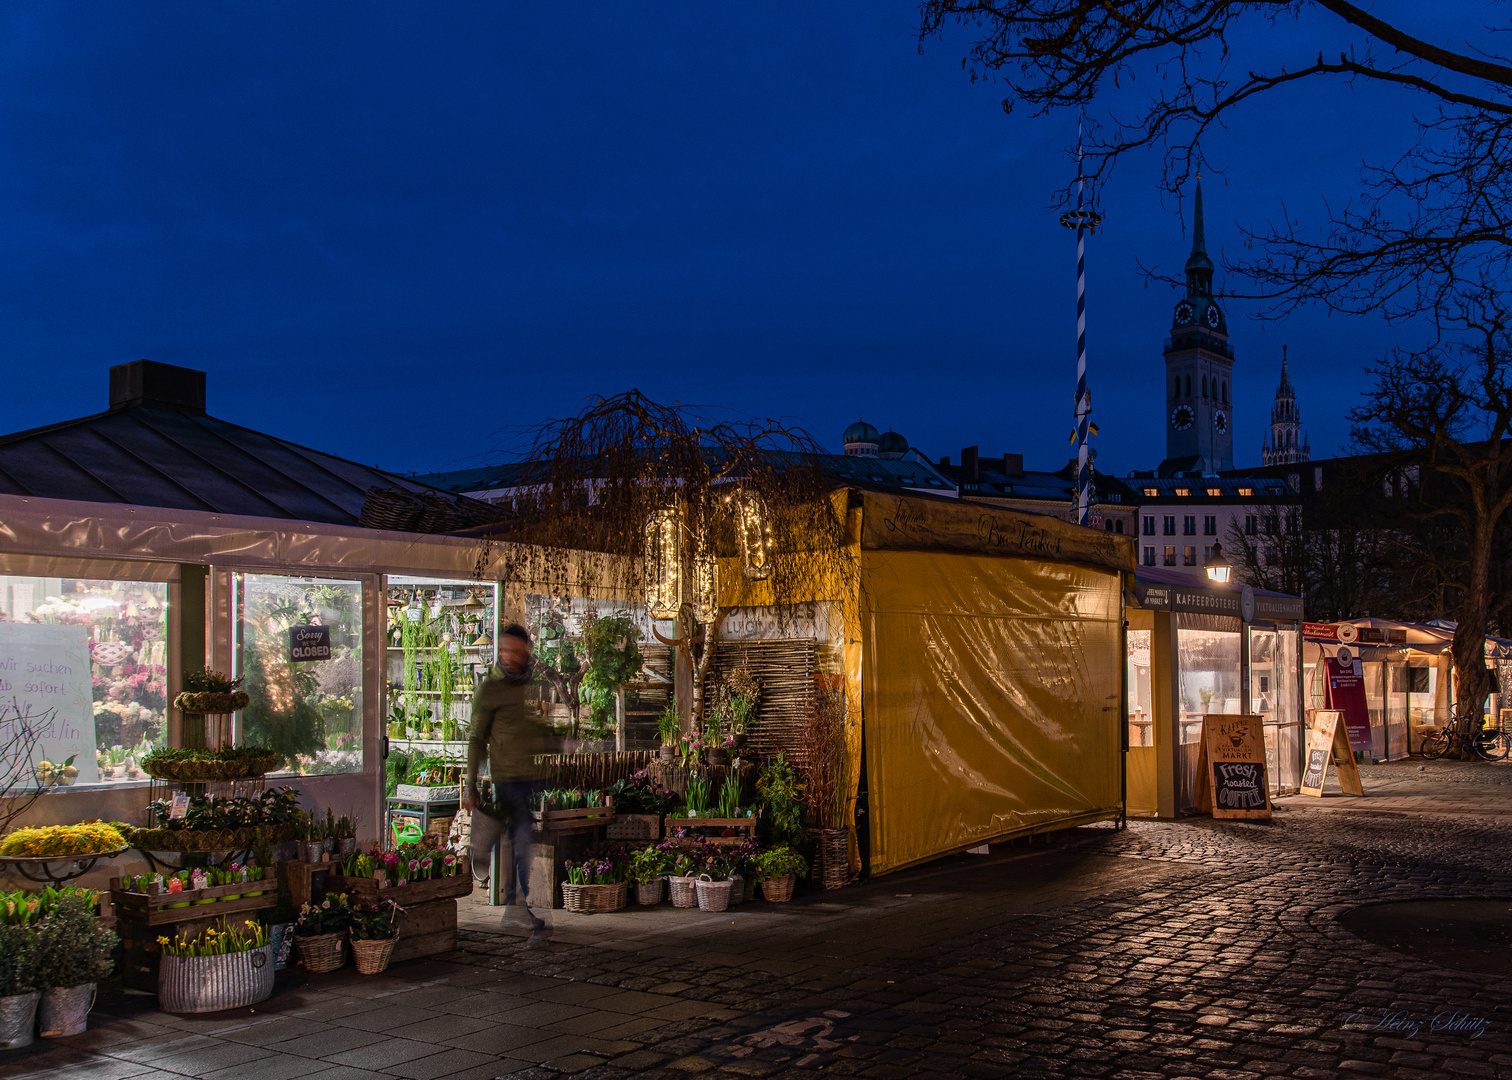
<point x="971" y="475"/>
<point x="945" y="460"/>
<point x="1013" y="464"/>
<point x="147" y="383"/>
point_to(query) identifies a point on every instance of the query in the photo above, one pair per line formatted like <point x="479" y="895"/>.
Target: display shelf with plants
<point x="440" y="641"/>
<point x="204" y="766"/>
<point x="218" y="823"/>
<point x="571" y="810"/>
<point x="59" y="853"/>
<point x="426" y="882"/>
<point x="159" y="899"/>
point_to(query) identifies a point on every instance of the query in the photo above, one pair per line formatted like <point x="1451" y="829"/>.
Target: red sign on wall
<point x="1346" y="692"/>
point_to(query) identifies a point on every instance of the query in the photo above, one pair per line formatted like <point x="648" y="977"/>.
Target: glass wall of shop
<point x="580" y="700"/>
<point x="1141" y="705"/>
<point x="441" y="641"/>
<point x="1209" y="648"/>
<point x="1274" y="698"/>
<point x="298" y="645"/>
<point x="83" y="674"/>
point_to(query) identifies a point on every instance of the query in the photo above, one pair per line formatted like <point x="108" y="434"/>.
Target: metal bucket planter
<point x="281" y="937"/>
<point x="18" y="1020"/>
<point x="195" y="984"/>
<point x="65" y="1010"/>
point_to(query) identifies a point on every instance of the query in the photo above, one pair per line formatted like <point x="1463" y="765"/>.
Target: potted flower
<point x="596" y="885"/>
<point x="780" y="868"/>
<point x="217" y="969"/>
<point x="667" y="728"/>
<point x="19" y="993"/>
<point x="681" y="878"/>
<point x="320" y="933"/>
<point x="375" y="929"/>
<point x="713" y="886"/>
<point x="648" y="869"/>
<point x="73" y="955"/>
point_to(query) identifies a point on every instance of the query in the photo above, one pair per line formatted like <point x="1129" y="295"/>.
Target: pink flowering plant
<point x="376" y="922"/>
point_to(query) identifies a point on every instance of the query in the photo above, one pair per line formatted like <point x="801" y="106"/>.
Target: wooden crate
<point x="428" y="921"/>
<point x="635" y="827"/>
<point x="141" y="918"/>
<point x="586" y="817"/>
<point x="744" y="828"/>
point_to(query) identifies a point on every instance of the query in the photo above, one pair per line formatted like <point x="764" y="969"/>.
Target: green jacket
<point x="503" y="729"/>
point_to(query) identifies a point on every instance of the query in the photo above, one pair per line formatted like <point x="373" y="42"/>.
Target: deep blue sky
<point x="388" y="231"/>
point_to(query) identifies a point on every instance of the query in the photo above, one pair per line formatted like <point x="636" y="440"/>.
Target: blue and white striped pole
<point x="1081" y="220"/>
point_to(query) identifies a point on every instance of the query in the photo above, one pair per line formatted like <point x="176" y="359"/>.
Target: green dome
<point x="860" y="432"/>
<point x="891" y="442"/>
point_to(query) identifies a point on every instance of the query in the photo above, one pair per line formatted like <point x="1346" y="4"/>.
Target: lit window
<point x="1152" y="491"/>
<point x="1189" y="556"/>
<point x="1170" y="554"/>
<point x="1215" y="491"/>
<point x="1184" y="492"/>
<point x="1246" y="491"/>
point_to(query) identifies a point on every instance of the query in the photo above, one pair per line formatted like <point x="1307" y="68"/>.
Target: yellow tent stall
<point x="991" y="675"/>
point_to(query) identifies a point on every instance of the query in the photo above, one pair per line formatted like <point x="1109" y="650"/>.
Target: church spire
<point x="1199" y="236"/>
<point x="1199" y="268"/>
<point x="1286" y="384"/>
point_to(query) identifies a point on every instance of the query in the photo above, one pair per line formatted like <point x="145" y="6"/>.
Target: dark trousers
<point x="508" y="817"/>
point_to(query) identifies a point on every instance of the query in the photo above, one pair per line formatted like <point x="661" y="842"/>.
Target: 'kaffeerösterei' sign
<point x="1154" y="597"/>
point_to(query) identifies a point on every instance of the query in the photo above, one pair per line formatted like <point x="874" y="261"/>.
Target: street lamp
<point x="1218" y="568"/>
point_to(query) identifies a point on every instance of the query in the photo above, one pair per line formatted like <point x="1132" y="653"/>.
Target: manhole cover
<point x="1470" y="935"/>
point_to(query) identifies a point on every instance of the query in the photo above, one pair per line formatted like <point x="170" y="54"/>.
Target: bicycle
<point x="1486" y="744"/>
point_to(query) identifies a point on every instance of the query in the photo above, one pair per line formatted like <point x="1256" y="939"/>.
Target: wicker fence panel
<point x="786" y="670"/>
<point x="593" y="771"/>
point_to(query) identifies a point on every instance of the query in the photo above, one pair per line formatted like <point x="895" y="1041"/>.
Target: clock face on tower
<point x="1220" y="422"/>
<point x="1182" y="417"/>
<point x="1184" y="312"/>
<point x="1214" y="316"/>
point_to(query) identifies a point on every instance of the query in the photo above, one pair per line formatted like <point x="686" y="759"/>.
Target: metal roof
<point x="156" y="446"/>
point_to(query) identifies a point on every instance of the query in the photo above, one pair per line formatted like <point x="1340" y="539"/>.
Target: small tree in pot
<point x="73" y="955"/>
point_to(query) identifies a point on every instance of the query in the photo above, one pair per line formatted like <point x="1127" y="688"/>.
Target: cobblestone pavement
<point x="1193" y="948"/>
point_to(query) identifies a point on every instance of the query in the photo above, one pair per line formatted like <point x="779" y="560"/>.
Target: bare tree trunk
<point x="1471" y="683"/>
<point x="701" y="669"/>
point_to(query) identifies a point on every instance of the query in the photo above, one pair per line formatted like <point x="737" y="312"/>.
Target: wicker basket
<point x="595" y="899"/>
<point x="712" y="895"/>
<point x="322" y="952"/>
<point x="651" y="892"/>
<point x="779" y="890"/>
<point x="684" y="891"/>
<point x="372" y="957"/>
<point x="831" y="867"/>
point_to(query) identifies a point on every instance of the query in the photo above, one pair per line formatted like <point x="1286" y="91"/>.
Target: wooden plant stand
<point x="744" y="828"/>
<point x="141" y="918"/>
<point x="428" y="923"/>
<point x="583" y="818"/>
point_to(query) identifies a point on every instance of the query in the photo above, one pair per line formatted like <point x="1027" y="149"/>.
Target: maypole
<point x="1081" y="220"/>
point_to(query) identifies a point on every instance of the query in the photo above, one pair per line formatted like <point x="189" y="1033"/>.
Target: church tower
<point x="1199" y="364"/>
<point x="1285" y="445"/>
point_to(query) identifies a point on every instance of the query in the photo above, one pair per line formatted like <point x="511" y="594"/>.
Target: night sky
<point x="394" y="232"/>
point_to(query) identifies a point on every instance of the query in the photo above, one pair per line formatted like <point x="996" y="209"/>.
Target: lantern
<point x="754" y="532"/>
<point x="663" y="559"/>
<point x="704" y="594"/>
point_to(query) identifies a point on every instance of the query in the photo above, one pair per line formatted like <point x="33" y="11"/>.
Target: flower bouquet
<point x="217" y="969"/>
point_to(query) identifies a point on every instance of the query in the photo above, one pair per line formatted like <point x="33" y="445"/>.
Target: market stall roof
<point x="1392" y="640"/>
<point x="156" y="446"/>
<point x="1157" y="588"/>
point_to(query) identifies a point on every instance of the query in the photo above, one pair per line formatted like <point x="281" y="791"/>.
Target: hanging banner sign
<point x="1326" y="742"/>
<point x="309" y="643"/>
<point x="1231" y="768"/>
<point x="1346" y="693"/>
<point x="1320" y="631"/>
<point x="47" y="699"/>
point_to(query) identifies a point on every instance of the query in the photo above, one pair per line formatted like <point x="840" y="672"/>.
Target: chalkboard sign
<point x="1327" y="742"/>
<point x="309" y="643"/>
<point x="1231" y="778"/>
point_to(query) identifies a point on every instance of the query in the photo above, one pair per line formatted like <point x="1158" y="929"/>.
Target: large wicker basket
<point x="713" y="895"/>
<point x="650" y="893"/>
<point x="831" y="866"/>
<point x="684" y="891"/>
<point x="322" y="952"/>
<point x="372" y="957"/>
<point x="779" y="890"/>
<point x="595" y="899"/>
